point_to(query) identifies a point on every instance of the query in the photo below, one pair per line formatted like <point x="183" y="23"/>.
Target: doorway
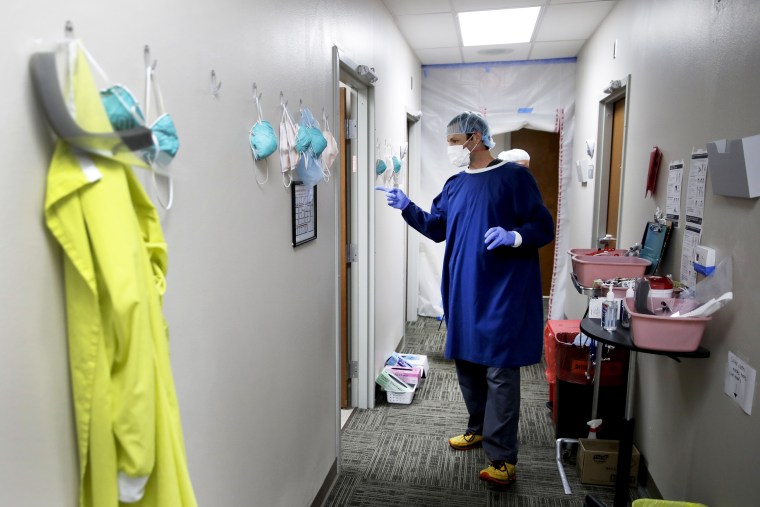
<point x="543" y="148"/>
<point x="353" y="106"/>
<point x="610" y="161"/>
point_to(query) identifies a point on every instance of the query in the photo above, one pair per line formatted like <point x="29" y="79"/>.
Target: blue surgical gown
<point x="491" y="299"/>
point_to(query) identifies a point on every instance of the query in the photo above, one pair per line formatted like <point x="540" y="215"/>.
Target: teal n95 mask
<point x="396" y="164"/>
<point x="263" y="140"/>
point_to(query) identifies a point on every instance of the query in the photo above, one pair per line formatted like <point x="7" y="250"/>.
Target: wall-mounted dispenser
<point x="735" y="166"/>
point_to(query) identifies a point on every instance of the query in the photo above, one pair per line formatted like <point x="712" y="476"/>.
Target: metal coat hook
<point x="300" y="105"/>
<point x="146" y="56"/>
<point x="216" y="85"/>
<point x="68" y="30"/>
<point x="256" y="94"/>
<point x="257" y="99"/>
<point x="283" y="102"/>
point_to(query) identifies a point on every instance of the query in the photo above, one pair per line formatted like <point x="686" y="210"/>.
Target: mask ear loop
<point x="387" y="156"/>
<point x="325" y="169"/>
<point x="286" y="122"/>
<point x="152" y="83"/>
<point x="257" y="100"/>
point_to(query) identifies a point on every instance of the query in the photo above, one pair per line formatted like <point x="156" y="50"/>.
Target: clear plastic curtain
<point x="538" y="95"/>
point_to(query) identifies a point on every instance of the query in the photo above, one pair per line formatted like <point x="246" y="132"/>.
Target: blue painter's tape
<point x="525" y="110"/>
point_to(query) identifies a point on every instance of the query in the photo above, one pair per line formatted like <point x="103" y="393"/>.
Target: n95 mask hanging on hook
<point x="262" y="139"/>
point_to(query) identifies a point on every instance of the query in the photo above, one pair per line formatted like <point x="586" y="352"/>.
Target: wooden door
<point x="616" y="162"/>
<point x="543" y="148"/>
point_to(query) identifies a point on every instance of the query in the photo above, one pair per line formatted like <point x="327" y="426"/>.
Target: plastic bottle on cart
<point x="609" y="312"/>
<point x="625" y="317"/>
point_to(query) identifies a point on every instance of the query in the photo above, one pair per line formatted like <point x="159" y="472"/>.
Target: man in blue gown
<point x="494" y="221"/>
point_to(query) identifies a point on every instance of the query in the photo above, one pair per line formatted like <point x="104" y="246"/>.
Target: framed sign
<point x="304" y="201"/>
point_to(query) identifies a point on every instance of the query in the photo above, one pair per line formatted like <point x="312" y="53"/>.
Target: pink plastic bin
<point x="662" y="332"/>
<point x="588" y="268"/>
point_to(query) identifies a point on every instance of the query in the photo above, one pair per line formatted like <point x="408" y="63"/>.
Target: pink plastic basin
<point x="662" y="332"/>
<point x="588" y="268"/>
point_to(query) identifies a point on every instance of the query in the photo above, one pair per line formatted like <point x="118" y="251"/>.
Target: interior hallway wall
<point x="252" y="320"/>
<point x="694" y="79"/>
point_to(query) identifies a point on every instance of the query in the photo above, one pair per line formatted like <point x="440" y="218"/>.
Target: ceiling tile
<point x="572" y="21"/>
<point x="429" y="30"/>
<point x="485" y="53"/>
<point x="482" y="5"/>
<point x="437" y="56"/>
<point x="406" y="7"/>
<point x="559" y="49"/>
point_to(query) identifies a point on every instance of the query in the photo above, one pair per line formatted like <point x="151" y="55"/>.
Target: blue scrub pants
<point x="492" y="397"/>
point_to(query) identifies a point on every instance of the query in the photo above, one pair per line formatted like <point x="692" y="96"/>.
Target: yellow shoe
<point x="499" y="472"/>
<point x="467" y="441"/>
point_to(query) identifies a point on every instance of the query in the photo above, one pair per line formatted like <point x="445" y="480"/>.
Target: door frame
<point x="412" y="238"/>
<point x="361" y="306"/>
<point x="603" y="152"/>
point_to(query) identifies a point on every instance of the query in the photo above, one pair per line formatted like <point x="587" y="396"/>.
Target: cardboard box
<point x="418" y="361"/>
<point x="597" y="462"/>
<point x="408" y="375"/>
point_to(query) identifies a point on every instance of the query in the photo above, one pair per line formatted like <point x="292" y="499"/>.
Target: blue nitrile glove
<point x="395" y="197"/>
<point x="496" y="236"/>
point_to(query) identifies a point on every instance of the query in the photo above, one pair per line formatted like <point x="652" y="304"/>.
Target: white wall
<point x="252" y="320"/>
<point x="694" y="68"/>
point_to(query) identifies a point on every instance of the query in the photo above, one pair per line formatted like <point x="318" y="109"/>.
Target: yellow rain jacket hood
<point x="128" y="426"/>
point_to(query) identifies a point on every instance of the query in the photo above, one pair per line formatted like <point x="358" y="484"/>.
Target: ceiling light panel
<point x="503" y="26"/>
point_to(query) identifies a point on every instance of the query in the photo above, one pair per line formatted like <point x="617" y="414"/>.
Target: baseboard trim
<point x="327" y="486"/>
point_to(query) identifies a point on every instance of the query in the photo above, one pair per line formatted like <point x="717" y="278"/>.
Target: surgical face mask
<point x="331" y="152"/>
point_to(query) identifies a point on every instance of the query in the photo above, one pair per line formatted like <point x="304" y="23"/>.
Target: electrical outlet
<point x="740" y="382"/>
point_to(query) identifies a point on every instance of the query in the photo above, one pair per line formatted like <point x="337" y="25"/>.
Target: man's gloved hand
<point x="496" y="236"/>
<point x="395" y="197"/>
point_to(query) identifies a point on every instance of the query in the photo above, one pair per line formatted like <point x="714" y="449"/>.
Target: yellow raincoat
<point x="115" y="260"/>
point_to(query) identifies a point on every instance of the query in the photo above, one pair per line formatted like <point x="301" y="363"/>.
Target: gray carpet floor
<point x="398" y="455"/>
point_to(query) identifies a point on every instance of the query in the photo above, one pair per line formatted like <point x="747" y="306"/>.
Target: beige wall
<point x="694" y="78"/>
<point x="252" y="320"/>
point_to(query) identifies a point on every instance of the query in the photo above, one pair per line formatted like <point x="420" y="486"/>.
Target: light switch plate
<point x="740" y="382"/>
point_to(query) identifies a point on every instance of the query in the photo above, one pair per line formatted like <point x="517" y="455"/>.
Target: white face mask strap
<point x="266" y="165"/>
<point x="287" y="179"/>
<point x="72" y="48"/>
<point x="325" y="169"/>
<point x="152" y="83"/>
<point x="257" y="99"/>
<point x="166" y="205"/>
<point x="92" y="61"/>
<point x="324" y="121"/>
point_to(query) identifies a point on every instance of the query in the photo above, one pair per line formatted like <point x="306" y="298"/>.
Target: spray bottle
<point x="593" y="425"/>
<point x="609" y="312"/>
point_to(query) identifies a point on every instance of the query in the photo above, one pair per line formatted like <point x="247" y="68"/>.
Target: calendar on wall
<point x="304" y="200"/>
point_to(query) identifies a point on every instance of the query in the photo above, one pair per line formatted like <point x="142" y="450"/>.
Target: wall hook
<point x="146" y="56"/>
<point x="216" y="85"/>
<point x="68" y="30"/>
